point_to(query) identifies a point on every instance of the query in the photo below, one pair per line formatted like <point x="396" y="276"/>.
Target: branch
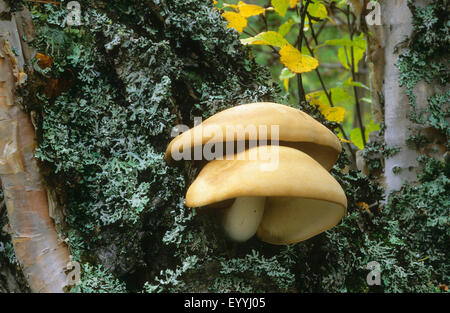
<point x="302" y="12"/>
<point x="2" y="208"/>
<point x="355" y="89"/>
<point x="44" y="1"/>
<point x="330" y="99"/>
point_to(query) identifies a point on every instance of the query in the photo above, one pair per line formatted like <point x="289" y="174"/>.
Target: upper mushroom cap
<point x="303" y="198"/>
<point x="296" y="129"/>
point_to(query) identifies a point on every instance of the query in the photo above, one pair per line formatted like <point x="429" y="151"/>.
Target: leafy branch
<point x="301" y="57"/>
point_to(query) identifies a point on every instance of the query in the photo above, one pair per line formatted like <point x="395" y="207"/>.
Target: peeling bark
<point x="41" y="254"/>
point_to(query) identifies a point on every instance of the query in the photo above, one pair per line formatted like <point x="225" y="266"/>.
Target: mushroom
<point x="293" y="202"/>
<point x="256" y="121"/>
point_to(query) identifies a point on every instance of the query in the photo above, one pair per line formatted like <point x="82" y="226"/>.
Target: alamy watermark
<point x="73" y="275"/>
<point x="374" y="276"/>
<point x="74" y="16"/>
<point x="214" y="142"/>
<point x="374" y="17"/>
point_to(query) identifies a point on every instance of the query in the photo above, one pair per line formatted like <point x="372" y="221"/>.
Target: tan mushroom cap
<point x="296" y="129"/>
<point x="303" y="199"/>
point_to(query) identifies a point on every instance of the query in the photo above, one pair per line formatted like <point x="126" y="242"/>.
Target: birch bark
<point x="41" y="254"/>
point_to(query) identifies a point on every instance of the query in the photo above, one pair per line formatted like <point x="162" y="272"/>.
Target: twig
<point x="302" y="12"/>
<point x="2" y="203"/>
<point x="265" y="22"/>
<point x="247" y="33"/>
<point x="314" y="37"/>
<point x="355" y="89"/>
<point x="44" y="1"/>
<point x="330" y="99"/>
<point x="252" y="29"/>
<point x="2" y="207"/>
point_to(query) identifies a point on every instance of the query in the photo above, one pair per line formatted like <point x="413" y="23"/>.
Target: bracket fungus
<point x="282" y="192"/>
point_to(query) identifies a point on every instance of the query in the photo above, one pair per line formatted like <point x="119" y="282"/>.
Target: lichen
<point x="426" y="59"/>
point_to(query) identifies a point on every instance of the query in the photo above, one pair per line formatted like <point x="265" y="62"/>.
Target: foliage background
<point x="104" y="111"/>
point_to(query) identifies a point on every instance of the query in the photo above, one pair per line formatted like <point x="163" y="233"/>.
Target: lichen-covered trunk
<point x="38" y="249"/>
<point x="397" y="23"/>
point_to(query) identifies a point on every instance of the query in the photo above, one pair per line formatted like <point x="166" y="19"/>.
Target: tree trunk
<point x="40" y="253"/>
<point x="397" y="23"/>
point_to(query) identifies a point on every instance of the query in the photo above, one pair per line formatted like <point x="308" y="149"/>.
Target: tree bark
<point x="42" y="256"/>
<point x="397" y="24"/>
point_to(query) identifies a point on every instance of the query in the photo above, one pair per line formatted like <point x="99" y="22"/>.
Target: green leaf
<point x="317" y="9"/>
<point x="344" y="58"/>
<point x="350" y="82"/>
<point x="340" y="96"/>
<point x="337" y="42"/>
<point x="286" y="74"/>
<point x="286" y="27"/>
<point x="359" y="47"/>
<point x="281" y="6"/>
<point x="356" y="137"/>
<point x="371" y="128"/>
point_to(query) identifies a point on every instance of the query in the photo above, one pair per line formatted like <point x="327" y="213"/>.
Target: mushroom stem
<point x="242" y="219"/>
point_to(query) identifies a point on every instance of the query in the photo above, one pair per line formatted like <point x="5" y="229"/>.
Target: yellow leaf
<point x="312" y="95"/>
<point x="334" y="114"/>
<point x="293" y="3"/>
<point x="363" y="206"/>
<point x="235" y="20"/>
<point x="247" y="10"/>
<point x="233" y="6"/>
<point x="286" y="84"/>
<point x="266" y="38"/>
<point x="297" y="62"/>
<point x="342" y="139"/>
<point x="315" y="101"/>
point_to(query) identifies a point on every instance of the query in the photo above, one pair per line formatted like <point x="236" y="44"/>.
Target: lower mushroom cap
<point x="288" y="220"/>
<point x="303" y="198"/>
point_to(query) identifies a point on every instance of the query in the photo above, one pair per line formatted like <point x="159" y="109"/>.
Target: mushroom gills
<point x="288" y="220"/>
<point x="243" y="218"/>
